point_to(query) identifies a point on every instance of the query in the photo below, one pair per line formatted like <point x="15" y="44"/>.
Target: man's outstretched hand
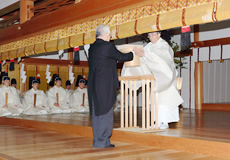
<point x="139" y="51"/>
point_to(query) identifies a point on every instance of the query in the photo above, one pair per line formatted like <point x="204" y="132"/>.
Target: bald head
<point x="103" y="32"/>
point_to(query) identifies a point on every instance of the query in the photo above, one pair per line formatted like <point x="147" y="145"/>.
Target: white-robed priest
<point x="68" y="87"/>
<point x="58" y="98"/>
<point x="14" y="84"/>
<point x="35" y="101"/>
<point x="51" y="84"/>
<point x="79" y="98"/>
<point x="9" y="99"/>
<point x="159" y="61"/>
<point x="68" y="90"/>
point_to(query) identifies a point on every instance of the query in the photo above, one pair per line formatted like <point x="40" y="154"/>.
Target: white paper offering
<point x="126" y="48"/>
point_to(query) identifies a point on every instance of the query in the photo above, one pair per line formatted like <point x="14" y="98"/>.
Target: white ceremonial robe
<point x="62" y="98"/>
<point x="76" y="100"/>
<point x="69" y="92"/>
<point x="41" y="100"/>
<point x="159" y="61"/>
<point x="14" y="104"/>
<point x="19" y="94"/>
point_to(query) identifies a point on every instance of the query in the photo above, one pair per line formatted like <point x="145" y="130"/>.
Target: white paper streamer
<point x="48" y="77"/>
<point x="71" y="75"/>
<point x="23" y="74"/>
<point x="86" y="48"/>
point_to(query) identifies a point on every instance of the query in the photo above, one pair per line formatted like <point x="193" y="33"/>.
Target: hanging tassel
<point x="12" y="65"/>
<point x="76" y="55"/>
<point x="185" y="39"/>
<point x="209" y="55"/>
<point x="198" y="54"/>
<point x="221" y="54"/>
<point x="39" y="78"/>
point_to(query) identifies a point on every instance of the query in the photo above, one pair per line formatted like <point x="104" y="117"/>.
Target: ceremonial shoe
<point x="164" y="126"/>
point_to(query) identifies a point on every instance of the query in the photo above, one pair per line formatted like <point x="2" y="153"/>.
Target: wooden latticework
<point x="129" y="102"/>
<point x="44" y="7"/>
<point x="11" y="19"/>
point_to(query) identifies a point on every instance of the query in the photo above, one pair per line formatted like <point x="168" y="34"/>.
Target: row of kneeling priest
<point x="36" y="102"/>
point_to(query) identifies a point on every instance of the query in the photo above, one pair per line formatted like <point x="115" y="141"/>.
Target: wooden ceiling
<point x="10" y="15"/>
<point x="47" y="15"/>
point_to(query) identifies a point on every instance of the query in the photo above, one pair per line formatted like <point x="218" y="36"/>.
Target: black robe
<point x="103" y="78"/>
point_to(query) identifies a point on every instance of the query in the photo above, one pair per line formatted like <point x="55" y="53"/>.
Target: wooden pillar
<point x="198" y="85"/>
<point x="196" y="33"/>
<point x="6" y="68"/>
<point x="70" y="54"/>
<point x="25" y="10"/>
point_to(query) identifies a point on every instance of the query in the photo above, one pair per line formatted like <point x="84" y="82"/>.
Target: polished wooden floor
<point x="205" y="125"/>
<point x="17" y="143"/>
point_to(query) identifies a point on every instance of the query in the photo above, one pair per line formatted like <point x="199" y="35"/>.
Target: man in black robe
<point x="102" y="84"/>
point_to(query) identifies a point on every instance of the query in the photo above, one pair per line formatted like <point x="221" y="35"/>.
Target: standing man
<point x="102" y="84"/>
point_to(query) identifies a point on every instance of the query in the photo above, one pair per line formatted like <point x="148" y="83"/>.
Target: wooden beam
<point x="13" y="7"/>
<point x="196" y="33"/>
<point x="216" y="107"/>
<point x="53" y="62"/>
<point x="70" y="54"/>
<point x="25" y="10"/>
<point x="182" y="54"/>
<point x="86" y="10"/>
<point x="213" y="42"/>
<point x="37" y="61"/>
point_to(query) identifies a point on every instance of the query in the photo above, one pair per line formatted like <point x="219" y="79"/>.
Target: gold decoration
<point x="139" y="20"/>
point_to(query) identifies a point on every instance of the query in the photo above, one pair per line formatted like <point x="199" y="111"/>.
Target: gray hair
<point x="102" y="29"/>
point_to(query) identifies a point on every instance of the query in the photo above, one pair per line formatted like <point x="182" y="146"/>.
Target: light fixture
<point x="179" y="82"/>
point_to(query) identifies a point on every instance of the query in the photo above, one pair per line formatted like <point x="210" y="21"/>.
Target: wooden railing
<point x="128" y="117"/>
<point x="45" y="7"/>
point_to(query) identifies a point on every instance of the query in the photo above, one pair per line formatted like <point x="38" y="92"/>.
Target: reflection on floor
<point x="17" y="143"/>
<point x="207" y="125"/>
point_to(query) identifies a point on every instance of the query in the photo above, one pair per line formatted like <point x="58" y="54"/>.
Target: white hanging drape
<point x="216" y="82"/>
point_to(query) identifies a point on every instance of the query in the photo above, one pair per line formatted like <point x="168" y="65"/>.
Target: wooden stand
<point x="83" y="99"/>
<point x="35" y="98"/>
<point x="6" y="96"/>
<point x="57" y="98"/>
<point x="129" y="103"/>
